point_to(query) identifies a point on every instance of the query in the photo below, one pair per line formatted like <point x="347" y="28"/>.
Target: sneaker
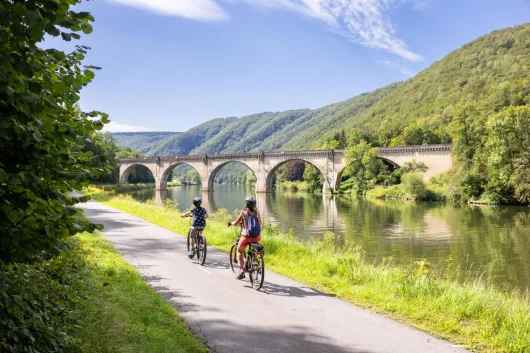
<point x="191" y="253"/>
<point x="240" y="274"/>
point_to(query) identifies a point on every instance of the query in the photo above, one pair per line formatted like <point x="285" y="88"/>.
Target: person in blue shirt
<point x="199" y="215"/>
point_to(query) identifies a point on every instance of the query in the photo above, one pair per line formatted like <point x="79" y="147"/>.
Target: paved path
<point x="285" y="316"/>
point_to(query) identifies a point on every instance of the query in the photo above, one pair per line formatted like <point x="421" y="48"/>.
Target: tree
<point x="414" y="185"/>
<point x="507" y="146"/>
<point x="41" y="133"/>
<point x="413" y="135"/>
<point x="293" y="170"/>
<point x="313" y="178"/>
<point x="362" y="166"/>
<point x="520" y="178"/>
<point x="102" y="149"/>
<point x="414" y="166"/>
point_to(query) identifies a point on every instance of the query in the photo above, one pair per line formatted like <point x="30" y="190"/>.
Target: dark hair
<point x="251" y="207"/>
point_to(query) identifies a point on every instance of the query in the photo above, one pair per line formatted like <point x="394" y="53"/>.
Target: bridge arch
<point x="270" y="174"/>
<point x="218" y="167"/>
<point x="170" y="168"/>
<point x="124" y="175"/>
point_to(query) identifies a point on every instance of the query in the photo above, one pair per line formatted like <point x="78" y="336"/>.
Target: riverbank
<point x="88" y="299"/>
<point x="474" y="313"/>
<point x="117" y="188"/>
<point x="398" y="192"/>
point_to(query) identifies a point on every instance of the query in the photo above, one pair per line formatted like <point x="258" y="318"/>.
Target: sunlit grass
<point x="473" y="313"/>
<point x="122" y="312"/>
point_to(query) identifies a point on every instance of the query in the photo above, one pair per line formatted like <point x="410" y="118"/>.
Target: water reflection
<point x="481" y="240"/>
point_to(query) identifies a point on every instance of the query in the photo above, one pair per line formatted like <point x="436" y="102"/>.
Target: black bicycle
<point x="254" y="263"/>
<point x="200" y="246"/>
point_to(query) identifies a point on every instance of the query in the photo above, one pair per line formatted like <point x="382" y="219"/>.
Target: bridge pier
<point x="160" y="184"/>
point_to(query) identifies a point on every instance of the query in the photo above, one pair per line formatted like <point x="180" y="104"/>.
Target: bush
<point x="413" y="185"/>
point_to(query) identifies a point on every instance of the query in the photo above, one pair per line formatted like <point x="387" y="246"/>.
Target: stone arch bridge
<point x="330" y="163"/>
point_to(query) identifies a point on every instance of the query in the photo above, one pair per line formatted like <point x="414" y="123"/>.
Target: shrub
<point x="413" y="185"/>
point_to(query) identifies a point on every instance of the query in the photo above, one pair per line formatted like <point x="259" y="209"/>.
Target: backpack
<point x="253" y="227"/>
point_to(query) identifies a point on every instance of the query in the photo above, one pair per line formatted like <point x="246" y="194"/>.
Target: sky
<point x="169" y="65"/>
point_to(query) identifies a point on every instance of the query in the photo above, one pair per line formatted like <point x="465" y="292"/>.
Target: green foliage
<point x="508" y="143"/>
<point x="413" y="185"/>
<point x="414" y="166"/>
<point x="363" y="166"/>
<point x="313" y="178"/>
<point x="103" y="155"/>
<point x="42" y="132"/>
<point x="86" y="300"/>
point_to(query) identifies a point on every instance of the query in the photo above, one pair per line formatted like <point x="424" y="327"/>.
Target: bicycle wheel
<point x="257" y="271"/>
<point x="201" y="249"/>
<point x="233" y="260"/>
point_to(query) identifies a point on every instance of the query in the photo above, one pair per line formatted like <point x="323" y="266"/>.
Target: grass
<point x="473" y="314"/>
<point x="397" y="192"/>
<point x="294" y="186"/>
<point x="96" y="300"/>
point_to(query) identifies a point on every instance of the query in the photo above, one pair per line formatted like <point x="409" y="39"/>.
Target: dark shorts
<point x="193" y="232"/>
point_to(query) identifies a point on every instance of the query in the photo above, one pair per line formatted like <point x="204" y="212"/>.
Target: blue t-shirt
<point x="199" y="217"/>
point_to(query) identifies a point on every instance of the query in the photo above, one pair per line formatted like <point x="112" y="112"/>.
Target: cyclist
<point x="250" y="212"/>
<point x="199" y="215"/>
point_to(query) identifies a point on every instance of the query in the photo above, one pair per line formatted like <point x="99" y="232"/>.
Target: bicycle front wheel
<point x="257" y="271"/>
<point x="233" y="260"/>
<point x="201" y="249"/>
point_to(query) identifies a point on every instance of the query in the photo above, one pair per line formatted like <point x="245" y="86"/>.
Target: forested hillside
<point x="490" y="72"/>
<point x="456" y="99"/>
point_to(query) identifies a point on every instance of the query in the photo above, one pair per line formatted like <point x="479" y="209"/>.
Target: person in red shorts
<point x="250" y="221"/>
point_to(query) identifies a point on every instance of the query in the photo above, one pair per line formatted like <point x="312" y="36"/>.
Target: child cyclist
<point x="199" y="215"/>
<point x="250" y="221"/>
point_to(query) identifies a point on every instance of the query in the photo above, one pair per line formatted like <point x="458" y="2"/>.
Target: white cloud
<point x="114" y="126"/>
<point x="362" y="21"/>
<point x="204" y="10"/>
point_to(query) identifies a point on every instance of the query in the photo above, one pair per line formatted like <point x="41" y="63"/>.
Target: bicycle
<point x="254" y="263"/>
<point x="200" y="246"/>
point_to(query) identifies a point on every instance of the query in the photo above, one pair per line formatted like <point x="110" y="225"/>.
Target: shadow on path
<point x="290" y="291"/>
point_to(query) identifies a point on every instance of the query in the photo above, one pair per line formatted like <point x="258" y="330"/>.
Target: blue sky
<point x="169" y="65"/>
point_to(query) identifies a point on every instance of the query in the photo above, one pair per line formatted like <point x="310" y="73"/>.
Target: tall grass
<point x="473" y="314"/>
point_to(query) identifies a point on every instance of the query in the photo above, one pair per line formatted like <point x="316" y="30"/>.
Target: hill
<point x="487" y="72"/>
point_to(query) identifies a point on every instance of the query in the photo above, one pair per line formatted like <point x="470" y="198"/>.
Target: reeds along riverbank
<point x="473" y="313"/>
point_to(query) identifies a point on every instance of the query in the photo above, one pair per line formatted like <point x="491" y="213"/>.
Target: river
<point x="480" y="240"/>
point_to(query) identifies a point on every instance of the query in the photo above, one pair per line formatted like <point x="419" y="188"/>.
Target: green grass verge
<point x="88" y="299"/>
<point x="473" y="314"/>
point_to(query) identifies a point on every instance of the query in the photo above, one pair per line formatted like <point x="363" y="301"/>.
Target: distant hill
<point x="490" y="72"/>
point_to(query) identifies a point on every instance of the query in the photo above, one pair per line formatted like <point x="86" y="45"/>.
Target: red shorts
<point x="243" y="241"/>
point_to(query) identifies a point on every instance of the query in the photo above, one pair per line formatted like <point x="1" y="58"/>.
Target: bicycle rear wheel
<point x="257" y="271"/>
<point x="201" y="249"/>
<point x="233" y="260"/>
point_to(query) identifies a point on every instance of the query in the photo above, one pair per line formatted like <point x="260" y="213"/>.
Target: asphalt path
<point x="230" y="316"/>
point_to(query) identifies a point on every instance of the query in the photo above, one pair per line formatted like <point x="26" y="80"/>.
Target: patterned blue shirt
<point x="199" y="217"/>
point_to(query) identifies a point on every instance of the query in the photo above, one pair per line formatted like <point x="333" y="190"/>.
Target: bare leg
<point x="240" y="256"/>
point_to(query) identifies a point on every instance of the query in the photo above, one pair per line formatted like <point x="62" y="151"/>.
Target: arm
<point x="187" y="214"/>
<point x="205" y="213"/>
<point x="238" y="220"/>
